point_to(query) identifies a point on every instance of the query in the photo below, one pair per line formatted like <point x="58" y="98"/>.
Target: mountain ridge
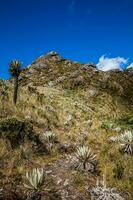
<point x="82" y="106"/>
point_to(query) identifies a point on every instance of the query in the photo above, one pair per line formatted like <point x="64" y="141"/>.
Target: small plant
<point x="84" y="156"/>
<point x="126" y="141"/>
<point x="35" y="179"/>
<point x="102" y="192"/>
<point x="34" y="183"/>
<point x="50" y="138"/>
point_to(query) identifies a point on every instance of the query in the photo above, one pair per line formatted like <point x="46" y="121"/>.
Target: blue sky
<point x="81" y="30"/>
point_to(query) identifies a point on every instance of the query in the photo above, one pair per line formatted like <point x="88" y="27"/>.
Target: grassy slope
<point x="68" y="108"/>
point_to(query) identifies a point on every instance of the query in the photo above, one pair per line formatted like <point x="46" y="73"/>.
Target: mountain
<point x="82" y="106"/>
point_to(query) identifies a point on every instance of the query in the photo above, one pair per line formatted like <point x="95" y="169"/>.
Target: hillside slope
<point x="82" y="106"/>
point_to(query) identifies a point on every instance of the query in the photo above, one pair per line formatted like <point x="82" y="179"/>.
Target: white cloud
<point x="130" y="66"/>
<point x="106" y="64"/>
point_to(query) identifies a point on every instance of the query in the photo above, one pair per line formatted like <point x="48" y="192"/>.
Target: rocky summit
<point x="74" y="122"/>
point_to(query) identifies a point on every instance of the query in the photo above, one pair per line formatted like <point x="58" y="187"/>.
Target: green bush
<point x="15" y="130"/>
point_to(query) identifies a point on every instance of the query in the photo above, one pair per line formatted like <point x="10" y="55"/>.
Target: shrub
<point x="18" y="131"/>
<point x="15" y="130"/>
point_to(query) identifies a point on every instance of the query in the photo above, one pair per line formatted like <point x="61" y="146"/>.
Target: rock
<point x="60" y="79"/>
<point x="68" y="63"/>
<point x="59" y="181"/>
<point x="87" y="66"/>
<point x="89" y="122"/>
<point x="117" y="129"/>
<point x="54" y="57"/>
<point x="66" y="182"/>
<point x="66" y="148"/>
<point x="48" y="172"/>
<point x="51" y="84"/>
<point x="52" y="53"/>
<point x="93" y="93"/>
<point x="40" y="65"/>
<point x="69" y="120"/>
<point x="78" y="81"/>
<point x="57" y="81"/>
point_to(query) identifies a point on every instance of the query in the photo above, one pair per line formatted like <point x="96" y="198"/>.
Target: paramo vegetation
<point x="66" y="132"/>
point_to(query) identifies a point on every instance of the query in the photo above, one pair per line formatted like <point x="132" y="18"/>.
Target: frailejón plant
<point x="84" y="156"/>
<point x="15" y="70"/>
<point x="50" y="138"/>
<point x="34" y="179"/>
<point x="102" y="192"/>
<point x="126" y="141"/>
